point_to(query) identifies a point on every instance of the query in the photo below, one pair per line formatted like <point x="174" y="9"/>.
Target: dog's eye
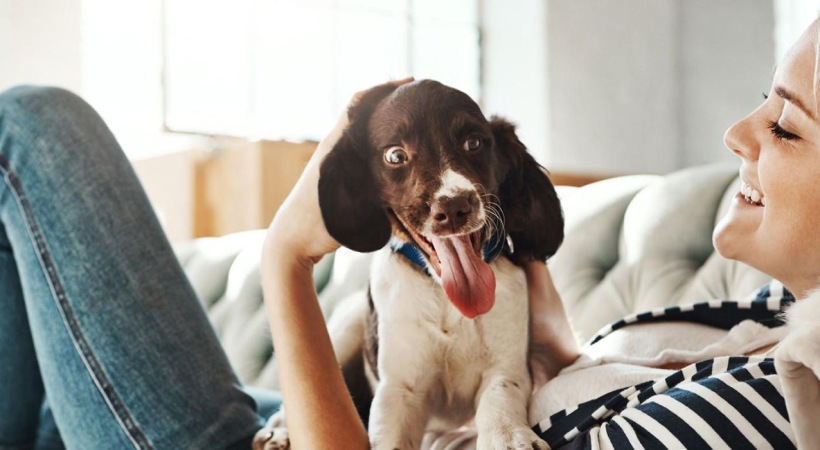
<point x="472" y="144"/>
<point x="396" y="156"/>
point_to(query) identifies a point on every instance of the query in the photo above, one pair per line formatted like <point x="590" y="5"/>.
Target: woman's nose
<point x="740" y="138"/>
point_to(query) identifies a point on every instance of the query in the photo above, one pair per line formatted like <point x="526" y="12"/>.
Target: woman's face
<point x="774" y="223"/>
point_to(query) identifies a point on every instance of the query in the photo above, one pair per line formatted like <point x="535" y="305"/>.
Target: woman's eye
<point x="472" y="144"/>
<point x="778" y="132"/>
<point x="396" y="156"/>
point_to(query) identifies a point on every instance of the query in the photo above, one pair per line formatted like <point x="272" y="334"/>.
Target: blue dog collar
<point x="412" y="253"/>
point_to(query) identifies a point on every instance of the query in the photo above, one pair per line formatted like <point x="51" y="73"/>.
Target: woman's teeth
<point x="752" y="196"/>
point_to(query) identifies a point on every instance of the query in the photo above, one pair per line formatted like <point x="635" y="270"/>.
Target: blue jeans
<point x="101" y="335"/>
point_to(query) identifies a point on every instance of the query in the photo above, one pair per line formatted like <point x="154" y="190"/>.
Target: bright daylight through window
<point x="284" y="69"/>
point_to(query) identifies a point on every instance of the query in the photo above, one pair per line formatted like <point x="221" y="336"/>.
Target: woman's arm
<point x="797" y="360"/>
<point x="552" y="343"/>
<point x="798" y="364"/>
<point x="320" y="412"/>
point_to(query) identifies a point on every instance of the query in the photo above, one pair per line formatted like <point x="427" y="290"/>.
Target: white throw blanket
<point x="635" y="355"/>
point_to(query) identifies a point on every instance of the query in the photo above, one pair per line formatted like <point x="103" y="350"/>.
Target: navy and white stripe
<point x="726" y="402"/>
<point x="762" y="307"/>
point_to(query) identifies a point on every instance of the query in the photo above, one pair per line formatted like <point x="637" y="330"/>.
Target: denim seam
<point x="112" y="399"/>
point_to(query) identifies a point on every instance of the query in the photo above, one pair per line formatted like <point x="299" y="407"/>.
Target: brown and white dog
<point x="447" y="338"/>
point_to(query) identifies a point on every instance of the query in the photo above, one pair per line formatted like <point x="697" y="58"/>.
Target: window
<point x="285" y="69"/>
<point x="792" y="17"/>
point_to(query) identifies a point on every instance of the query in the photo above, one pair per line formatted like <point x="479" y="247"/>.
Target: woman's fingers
<point x="800" y="349"/>
<point x="798" y="364"/>
<point x="330" y="140"/>
<point x="298" y="227"/>
<point x="326" y="145"/>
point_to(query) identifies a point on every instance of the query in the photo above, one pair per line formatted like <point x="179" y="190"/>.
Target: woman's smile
<point x="751" y="195"/>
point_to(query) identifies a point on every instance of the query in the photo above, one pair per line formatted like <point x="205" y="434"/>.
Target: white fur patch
<point x="804" y="312"/>
<point x="435" y="365"/>
<point x="453" y="183"/>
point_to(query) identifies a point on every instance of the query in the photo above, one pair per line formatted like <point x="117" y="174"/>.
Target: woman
<point x="779" y="145"/>
<point x="93" y="299"/>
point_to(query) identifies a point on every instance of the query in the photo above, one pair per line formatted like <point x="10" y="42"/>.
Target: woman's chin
<point x="730" y="239"/>
<point x="723" y="241"/>
<point x="735" y="232"/>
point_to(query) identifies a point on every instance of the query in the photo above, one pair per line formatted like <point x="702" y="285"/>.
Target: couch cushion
<point x="637" y="243"/>
<point x="224" y="273"/>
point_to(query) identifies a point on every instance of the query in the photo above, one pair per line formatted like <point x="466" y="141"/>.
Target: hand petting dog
<point x="320" y="411"/>
<point x="463" y="203"/>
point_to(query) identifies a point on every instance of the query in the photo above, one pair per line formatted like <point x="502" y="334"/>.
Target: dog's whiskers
<point x="495" y="217"/>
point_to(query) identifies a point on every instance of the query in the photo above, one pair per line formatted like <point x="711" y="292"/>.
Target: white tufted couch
<point x="632" y="243"/>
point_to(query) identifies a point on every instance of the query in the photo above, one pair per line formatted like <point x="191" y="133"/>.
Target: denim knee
<point x="46" y="128"/>
<point x="41" y="106"/>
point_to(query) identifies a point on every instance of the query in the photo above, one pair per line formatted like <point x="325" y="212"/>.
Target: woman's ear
<point x="348" y="194"/>
<point x="533" y="214"/>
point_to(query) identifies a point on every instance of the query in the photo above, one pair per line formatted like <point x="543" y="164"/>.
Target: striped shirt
<point x="723" y="402"/>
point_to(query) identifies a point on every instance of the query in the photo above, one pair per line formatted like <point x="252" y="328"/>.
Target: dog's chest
<point x="425" y="341"/>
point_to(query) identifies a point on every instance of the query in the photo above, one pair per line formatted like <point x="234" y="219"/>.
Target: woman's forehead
<point x="797" y="72"/>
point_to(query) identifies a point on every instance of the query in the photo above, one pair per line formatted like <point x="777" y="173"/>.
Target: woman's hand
<point x="320" y="412"/>
<point x="552" y="343"/>
<point x="297" y="229"/>
<point x="798" y="364"/>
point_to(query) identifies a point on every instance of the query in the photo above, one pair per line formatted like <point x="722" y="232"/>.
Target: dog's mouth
<point x="426" y="245"/>
<point x="458" y="260"/>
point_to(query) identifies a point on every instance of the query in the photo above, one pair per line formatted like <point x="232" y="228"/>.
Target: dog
<point x="462" y="205"/>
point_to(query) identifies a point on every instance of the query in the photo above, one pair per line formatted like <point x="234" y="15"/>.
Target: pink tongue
<point x="467" y="279"/>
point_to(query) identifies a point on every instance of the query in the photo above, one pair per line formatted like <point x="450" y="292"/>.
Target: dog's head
<point x="420" y="161"/>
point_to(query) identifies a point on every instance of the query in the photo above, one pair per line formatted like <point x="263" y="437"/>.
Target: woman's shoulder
<point x="765" y="306"/>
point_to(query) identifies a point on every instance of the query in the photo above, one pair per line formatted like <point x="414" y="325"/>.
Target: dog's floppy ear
<point x="533" y="214"/>
<point x="348" y="195"/>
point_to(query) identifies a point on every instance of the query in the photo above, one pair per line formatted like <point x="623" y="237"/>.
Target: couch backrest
<point x="640" y="242"/>
<point x="632" y="244"/>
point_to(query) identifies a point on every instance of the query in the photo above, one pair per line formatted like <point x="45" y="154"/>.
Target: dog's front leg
<point x="397" y="417"/>
<point x="501" y="416"/>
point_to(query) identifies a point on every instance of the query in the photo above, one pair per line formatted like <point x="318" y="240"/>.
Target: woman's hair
<point x="816" y="61"/>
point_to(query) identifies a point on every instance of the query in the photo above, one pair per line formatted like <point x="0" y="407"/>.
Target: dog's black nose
<point x="451" y="212"/>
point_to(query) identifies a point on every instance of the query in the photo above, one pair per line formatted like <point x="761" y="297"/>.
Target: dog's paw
<point x="510" y="437"/>
<point x="271" y="439"/>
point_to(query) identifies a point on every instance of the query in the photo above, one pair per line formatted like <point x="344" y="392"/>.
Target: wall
<point x="234" y="185"/>
<point x="612" y="78"/>
<point x="169" y="181"/>
<point x="726" y="61"/>
<point x="241" y="185"/>
<point x="40" y="43"/>
<point x="597" y="87"/>
<point x="514" y="68"/>
<point x="631" y="85"/>
<point x="793" y="16"/>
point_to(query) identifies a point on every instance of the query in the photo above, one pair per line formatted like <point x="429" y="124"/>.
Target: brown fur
<point x="364" y="200"/>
